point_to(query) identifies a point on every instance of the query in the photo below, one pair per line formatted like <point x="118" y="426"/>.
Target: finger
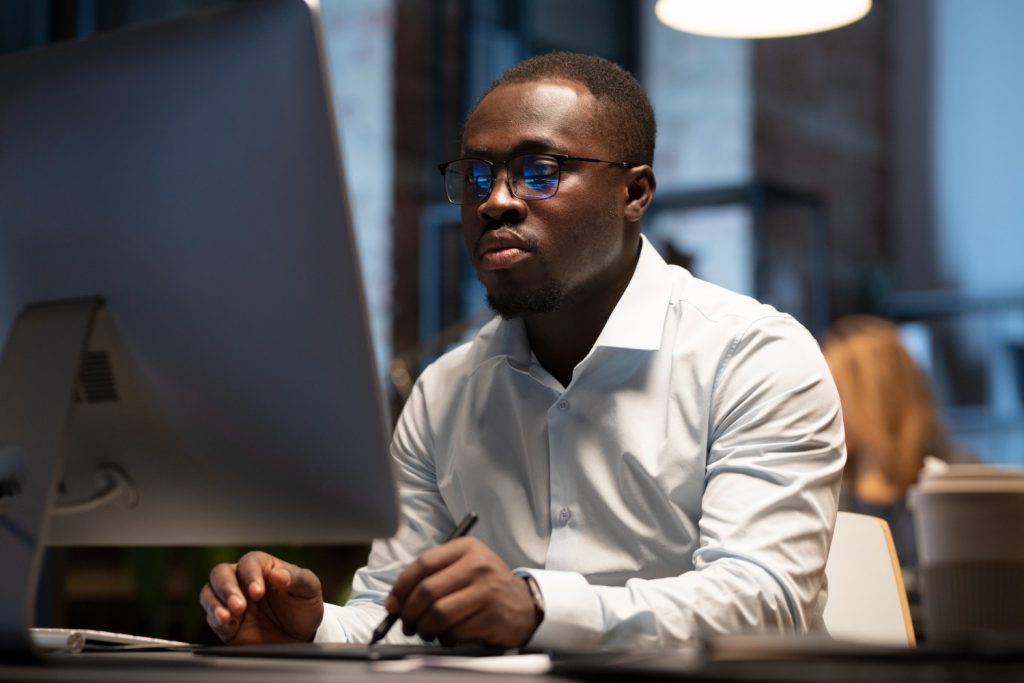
<point x="224" y="585"/>
<point x="444" y="617"/>
<point x="212" y="604"/>
<point x="430" y="562"/>
<point x="226" y="632"/>
<point x="425" y="595"/>
<point x="219" y="618"/>
<point x="496" y="623"/>
<point x="476" y="628"/>
<point x="253" y="569"/>
<point x="299" y="582"/>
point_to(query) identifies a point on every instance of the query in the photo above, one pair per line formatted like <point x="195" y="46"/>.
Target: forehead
<point x="557" y="115"/>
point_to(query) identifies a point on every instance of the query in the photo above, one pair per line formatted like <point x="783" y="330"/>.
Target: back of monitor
<point x="172" y="199"/>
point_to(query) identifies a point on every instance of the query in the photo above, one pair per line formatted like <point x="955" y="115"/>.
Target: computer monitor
<point x="186" y="354"/>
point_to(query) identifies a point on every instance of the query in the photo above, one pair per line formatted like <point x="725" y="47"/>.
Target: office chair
<point x="866" y="599"/>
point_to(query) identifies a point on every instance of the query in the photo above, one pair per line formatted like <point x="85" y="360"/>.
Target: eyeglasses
<point x="528" y="176"/>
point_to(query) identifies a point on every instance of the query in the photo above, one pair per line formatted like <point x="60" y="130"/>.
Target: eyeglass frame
<point x="560" y="158"/>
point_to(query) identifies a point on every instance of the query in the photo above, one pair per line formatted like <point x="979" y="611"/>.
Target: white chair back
<point x="866" y="599"/>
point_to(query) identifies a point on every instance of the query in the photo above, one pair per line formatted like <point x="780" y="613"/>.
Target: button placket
<point x="564" y="537"/>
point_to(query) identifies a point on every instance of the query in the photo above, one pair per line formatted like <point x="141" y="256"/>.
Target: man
<point x="652" y="458"/>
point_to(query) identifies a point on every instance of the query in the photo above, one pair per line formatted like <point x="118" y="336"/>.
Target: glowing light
<point x="759" y="18"/>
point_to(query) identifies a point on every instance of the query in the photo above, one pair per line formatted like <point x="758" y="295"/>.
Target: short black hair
<point x="630" y="114"/>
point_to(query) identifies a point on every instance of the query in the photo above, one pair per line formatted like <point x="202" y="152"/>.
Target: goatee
<point x="515" y="304"/>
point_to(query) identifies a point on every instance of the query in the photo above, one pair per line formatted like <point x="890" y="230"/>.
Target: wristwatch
<point x="535" y="595"/>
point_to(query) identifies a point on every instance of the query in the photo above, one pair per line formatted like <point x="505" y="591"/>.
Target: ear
<point x="639" y="192"/>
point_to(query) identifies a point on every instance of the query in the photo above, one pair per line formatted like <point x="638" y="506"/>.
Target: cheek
<point x="588" y="206"/>
<point x="470" y="229"/>
<point x="595" y="229"/>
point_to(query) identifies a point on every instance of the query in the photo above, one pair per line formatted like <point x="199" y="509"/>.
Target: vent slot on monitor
<point x="96" y="379"/>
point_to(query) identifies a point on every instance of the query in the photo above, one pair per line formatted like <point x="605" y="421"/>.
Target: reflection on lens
<point x="535" y="175"/>
<point x="529" y="176"/>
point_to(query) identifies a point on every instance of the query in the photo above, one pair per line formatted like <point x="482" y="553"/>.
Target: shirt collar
<point x="636" y="321"/>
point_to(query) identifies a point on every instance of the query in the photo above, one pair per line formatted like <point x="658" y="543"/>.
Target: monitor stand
<point x="38" y="372"/>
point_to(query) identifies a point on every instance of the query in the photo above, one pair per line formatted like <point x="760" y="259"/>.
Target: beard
<point x="516" y="303"/>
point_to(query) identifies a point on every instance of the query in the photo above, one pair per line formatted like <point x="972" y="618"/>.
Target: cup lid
<point x="972" y="478"/>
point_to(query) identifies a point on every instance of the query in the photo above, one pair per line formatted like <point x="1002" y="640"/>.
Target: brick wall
<point x="820" y="125"/>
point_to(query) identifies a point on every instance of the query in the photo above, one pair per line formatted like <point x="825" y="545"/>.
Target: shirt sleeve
<point x="774" y="463"/>
<point x="424" y="523"/>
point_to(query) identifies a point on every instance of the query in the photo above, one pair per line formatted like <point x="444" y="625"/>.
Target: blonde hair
<point x="886" y="396"/>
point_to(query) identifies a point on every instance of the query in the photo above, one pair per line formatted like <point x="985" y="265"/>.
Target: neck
<point x="560" y="339"/>
<point x="870" y="483"/>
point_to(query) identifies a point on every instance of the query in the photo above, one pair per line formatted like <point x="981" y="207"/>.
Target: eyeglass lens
<point x="530" y="176"/>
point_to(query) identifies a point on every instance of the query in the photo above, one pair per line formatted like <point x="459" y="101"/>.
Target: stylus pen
<point x="461" y="530"/>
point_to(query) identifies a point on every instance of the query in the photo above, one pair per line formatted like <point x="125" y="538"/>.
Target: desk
<point x="187" y="668"/>
<point x="178" y="667"/>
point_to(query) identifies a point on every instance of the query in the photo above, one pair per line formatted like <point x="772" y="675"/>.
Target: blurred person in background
<point x="892" y="424"/>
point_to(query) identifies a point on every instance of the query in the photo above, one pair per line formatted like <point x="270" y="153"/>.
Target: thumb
<point x="296" y="581"/>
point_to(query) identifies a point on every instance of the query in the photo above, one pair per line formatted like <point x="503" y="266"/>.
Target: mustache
<point x="514" y="228"/>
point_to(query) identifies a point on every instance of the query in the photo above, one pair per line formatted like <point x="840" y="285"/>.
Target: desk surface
<point x="188" y="668"/>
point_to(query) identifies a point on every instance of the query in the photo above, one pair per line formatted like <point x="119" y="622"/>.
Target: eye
<point x="540" y="167"/>
<point x="483" y="182"/>
<point x="479" y="176"/>
<point x="540" y="172"/>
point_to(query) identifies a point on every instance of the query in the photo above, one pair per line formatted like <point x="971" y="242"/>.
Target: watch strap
<point x="536" y="596"/>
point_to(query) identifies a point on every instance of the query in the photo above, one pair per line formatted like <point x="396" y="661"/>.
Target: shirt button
<point x="563" y="405"/>
<point x="564" y="515"/>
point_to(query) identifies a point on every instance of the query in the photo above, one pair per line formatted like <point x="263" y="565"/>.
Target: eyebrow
<point x="537" y="145"/>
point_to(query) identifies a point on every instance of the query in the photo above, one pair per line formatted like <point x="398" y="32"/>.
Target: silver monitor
<point x="186" y="354"/>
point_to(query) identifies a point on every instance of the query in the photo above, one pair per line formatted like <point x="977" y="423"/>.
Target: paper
<point x="75" y="640"/>
<point x="504" y="664"/>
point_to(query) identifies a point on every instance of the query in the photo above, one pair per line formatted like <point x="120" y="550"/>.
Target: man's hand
<point x="462" y="592"/>
<point x="262" y="600"/>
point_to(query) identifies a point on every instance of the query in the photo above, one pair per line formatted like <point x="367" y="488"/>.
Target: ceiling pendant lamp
<point x="759" y="18"/>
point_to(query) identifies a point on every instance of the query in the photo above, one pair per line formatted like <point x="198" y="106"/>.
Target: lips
<point x="500" y="249"/>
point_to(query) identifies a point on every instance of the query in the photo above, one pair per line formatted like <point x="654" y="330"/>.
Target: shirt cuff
<point x="572" y="613"/>
<point x="331" y="630"/>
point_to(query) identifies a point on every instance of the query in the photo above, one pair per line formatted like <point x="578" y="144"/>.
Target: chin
<point x="518" y="303"/>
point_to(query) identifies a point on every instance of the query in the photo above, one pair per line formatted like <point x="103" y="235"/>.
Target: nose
<point x="501" y="205"/>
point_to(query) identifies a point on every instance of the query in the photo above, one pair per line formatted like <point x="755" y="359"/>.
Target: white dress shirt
<point x="684" y="484"/>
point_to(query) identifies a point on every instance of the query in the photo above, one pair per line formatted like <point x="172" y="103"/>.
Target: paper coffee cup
<point x="969" y="523"/>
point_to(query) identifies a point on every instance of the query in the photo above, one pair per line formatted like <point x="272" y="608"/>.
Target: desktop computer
<point x="186" y="355"/>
